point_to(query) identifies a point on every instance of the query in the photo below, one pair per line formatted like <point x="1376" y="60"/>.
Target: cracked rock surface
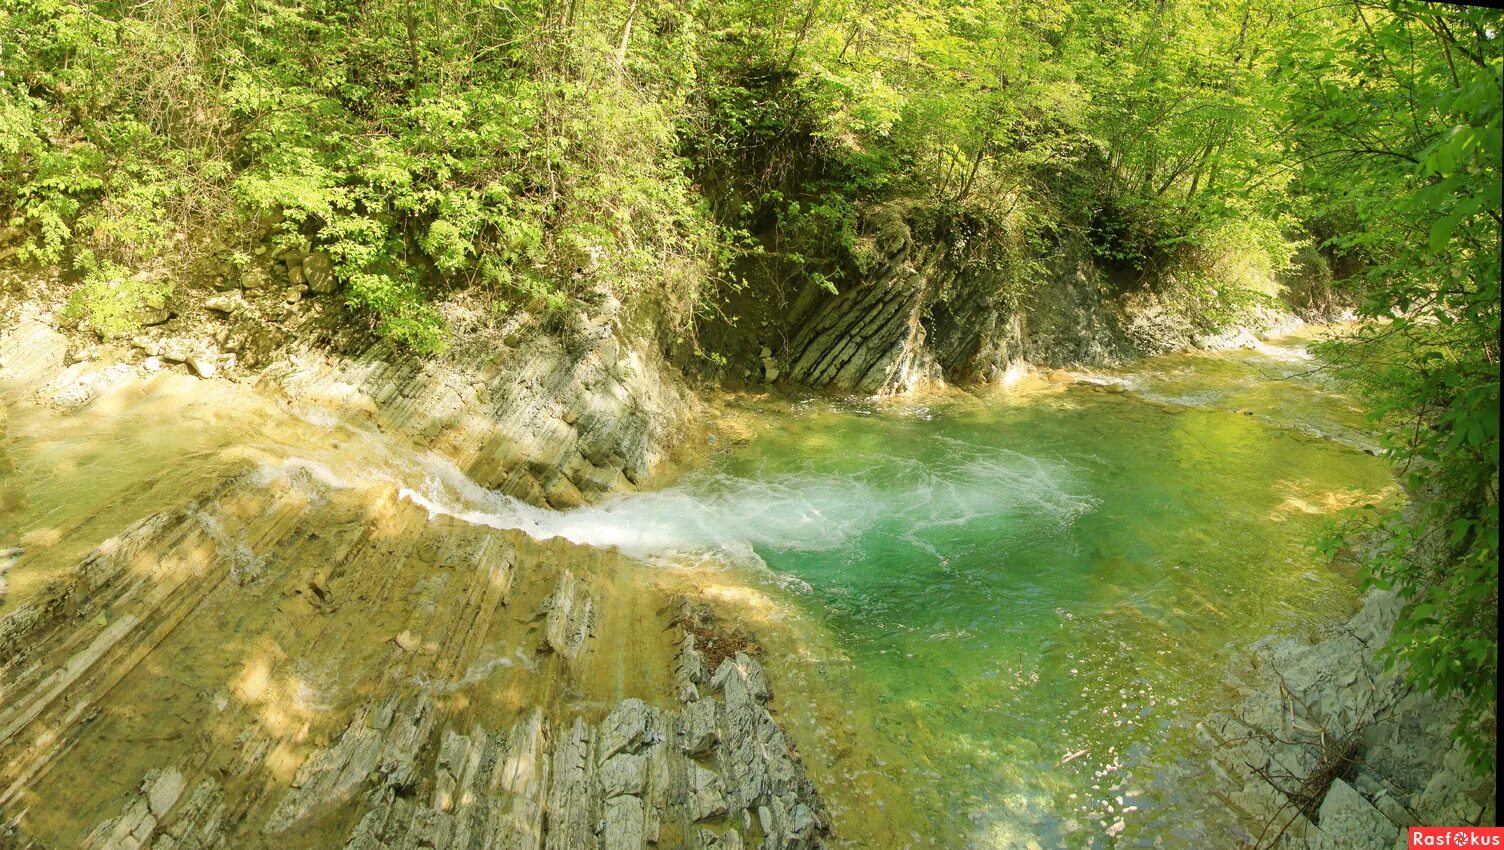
<point x="223" y="648"/>
<point x="379" y="679"/>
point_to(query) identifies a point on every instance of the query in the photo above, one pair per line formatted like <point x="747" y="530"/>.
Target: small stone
<point x="227" y="304"/>
<point x="406" y="641"/>
<point x="202" y="365"/>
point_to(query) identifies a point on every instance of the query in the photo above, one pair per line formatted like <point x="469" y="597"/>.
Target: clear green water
<point x="1010" y="581"/>
<point x="1041" y="574"/>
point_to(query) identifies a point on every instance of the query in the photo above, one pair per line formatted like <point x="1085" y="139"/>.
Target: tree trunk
<point x="626" y="37"/>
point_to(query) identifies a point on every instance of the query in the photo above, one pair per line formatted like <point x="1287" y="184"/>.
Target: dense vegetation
<point x="540" y="154"/>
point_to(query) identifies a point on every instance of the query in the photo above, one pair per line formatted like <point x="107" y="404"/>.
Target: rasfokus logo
<point x="1456" y="836"/>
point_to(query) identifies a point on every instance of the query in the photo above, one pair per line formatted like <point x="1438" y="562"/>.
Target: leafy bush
<point x="1425" y="193"/>
<point x="421" y="146"/>
<point x="113" y="302"/>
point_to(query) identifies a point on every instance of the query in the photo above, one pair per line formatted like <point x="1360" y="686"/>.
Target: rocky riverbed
<point x="227" y="622"/>
<point x="221" y="645"/>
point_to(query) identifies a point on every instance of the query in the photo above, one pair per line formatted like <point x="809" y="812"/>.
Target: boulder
<point x="202" y="365"/>
<point x="318" y="273"/>
<point x="150" y="317"/>
<point x="175" y="350"/>
<point x="254" y="278"/>
<point x="227" y="304"/>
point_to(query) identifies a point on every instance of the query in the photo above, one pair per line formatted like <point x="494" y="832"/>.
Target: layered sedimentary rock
<point x="283" y="663"/>
<point x="931" y="302"/>
<point x="869" y="337"/>
<point x="555" y="421"/>
<point x="929" y="309"/>
<point x="1330" y="750"/>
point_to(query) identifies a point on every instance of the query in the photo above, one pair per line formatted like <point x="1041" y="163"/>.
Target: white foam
<point x="290" y="469"/>
<point x="734" y="517"/>
<point x="803" y="511"/>
<point x="1283" y="353"/>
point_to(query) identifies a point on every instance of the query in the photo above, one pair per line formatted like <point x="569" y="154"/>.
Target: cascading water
<point x="1042" y="590"/>
<point x="1030" y="599"/>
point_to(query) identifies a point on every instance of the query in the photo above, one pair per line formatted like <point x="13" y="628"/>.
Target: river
<point x="1039" y="590"/>
<point x="1015" y="605"/>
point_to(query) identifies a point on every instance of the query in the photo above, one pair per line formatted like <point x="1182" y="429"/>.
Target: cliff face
<point x="929" y="308"/>
<point x="553" y="418"/>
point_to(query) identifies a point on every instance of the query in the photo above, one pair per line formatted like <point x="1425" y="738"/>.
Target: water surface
<point x="1027" y="600"/>
<point x="1041" y="590"/>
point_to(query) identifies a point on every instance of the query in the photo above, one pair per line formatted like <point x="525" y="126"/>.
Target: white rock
<point x="202" y="365"/>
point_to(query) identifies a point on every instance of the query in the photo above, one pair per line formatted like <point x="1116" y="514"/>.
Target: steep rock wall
<point x="924" y="306"/>
<point x="922" y="313"/>
<point x="552" y="418"/>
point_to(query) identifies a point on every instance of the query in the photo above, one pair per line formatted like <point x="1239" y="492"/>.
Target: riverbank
<point x="343" y="421"/>
<point x="236" y="608"/>
<point x="1325" y="748"/>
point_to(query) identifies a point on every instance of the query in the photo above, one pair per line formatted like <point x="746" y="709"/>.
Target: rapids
<point x="1038" y="591"/>
<point x="1018" y="604"/>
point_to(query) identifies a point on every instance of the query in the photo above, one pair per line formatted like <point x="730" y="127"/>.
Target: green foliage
<point x="423" y="146"/>
<point x="113" y="302"/>
<point x="553" y="152"/>
<point x="1397" y="125"/>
